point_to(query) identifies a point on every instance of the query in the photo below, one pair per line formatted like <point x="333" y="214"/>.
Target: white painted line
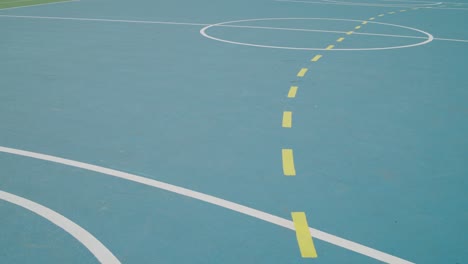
<point x="53" y="3"/>
<point x="348" y="4"/>
<point x="84" y="237"/>
<point x="454" y="40"/>
<point x="355" y="3"/>
<point x="372" y="5"/>
<point x="229" y="26"/>
<point x="199" y="24"/>
<point x="205" y="34"/>
<point x="317" y="234"/>
<point x="106" y="20"/>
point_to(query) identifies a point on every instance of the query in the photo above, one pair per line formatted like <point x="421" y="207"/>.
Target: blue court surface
<point x="222" y="131"/>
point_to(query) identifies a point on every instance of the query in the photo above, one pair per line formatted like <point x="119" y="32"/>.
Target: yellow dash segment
<point x="316" y="58"/>
<point x="372" y="18"/>
<point x="292" y="92"/>
<point x="287" y="119"/>
<point x="381" y="15"/>
<point x="288" y="162"/>
<point x="304" y="238"/>
<point x="364" y="23"/>
<point x="403" y="10"/>
<point x="358" y="27"/>
<point x="302" y="72"/>
<point x="391" y="13"/>
<point x="349" y="32"/>
<point x="340" y="40"/>
<point x="330" y="47"/>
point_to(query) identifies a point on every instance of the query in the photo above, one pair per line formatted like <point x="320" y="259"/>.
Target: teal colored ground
<point x="379" y="137"/>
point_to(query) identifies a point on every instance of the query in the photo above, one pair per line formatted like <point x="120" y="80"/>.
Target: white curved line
<point x="84" y="237"/>
<point x="203" y="33"/>
<point x="317" y="234"/>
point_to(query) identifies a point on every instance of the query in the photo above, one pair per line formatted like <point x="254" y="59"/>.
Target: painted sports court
<point x="247" y="131"/>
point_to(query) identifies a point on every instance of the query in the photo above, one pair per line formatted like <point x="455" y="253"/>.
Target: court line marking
<point x="355" y="3"/>
<point x="288" y="162"/>
<point x="233" y="26"/>
<point x="454" y="40"/>
<point x="292" y="92"/>
<point x="403" y="6"/>
<point x="84" y="237"/>
<point x="304" y="239"/>
<point x="203" y="33"/>
<point x="330" y="47"/>
<point x="198" y="24"/>
<point x="302" y="72"/>
<point x="53" y="3"/>
<point x="326" y="237"/>
<point x="357" y="27"/>
<point x="340" y="39"/>
<point x="316" y="58"/>
<point x="287" y="119"/>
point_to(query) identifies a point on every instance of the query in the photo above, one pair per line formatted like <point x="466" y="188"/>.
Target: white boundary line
<point x="455" y="40"/>
<point x="84" y="237"/>
<point x="317" y="234"/>
<point x="370" y="5"/>
<point x="381" y="5"/>
<point x="53" y="3"/>
<point x="230" y="26"/>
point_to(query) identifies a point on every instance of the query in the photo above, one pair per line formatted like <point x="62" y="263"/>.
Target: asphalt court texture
<point x="248" y="131"/>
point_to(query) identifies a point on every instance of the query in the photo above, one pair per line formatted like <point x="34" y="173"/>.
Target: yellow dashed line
<point x="304" y="238"/>
<point x="358" y="27"/>
<point x="403" y="10"/>
<point x="381" y="15"/>
<point x="292" y="92"/>
<point x="349" y="32"/>
<point x="316" y="58"/>
<point x="302" y="72"/>
<point x="391" y="13"/>
<point x="372" y="18"/>
<point x="365" y="22"/>
<point x="330" y="47"/>
<point x="288" y="162"/>
<point x="340" y="40"/>
<point x="287" y="119"/>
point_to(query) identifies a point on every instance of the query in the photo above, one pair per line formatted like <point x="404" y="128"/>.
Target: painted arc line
<point x="233" y="26"/>
<point x="203" y="33"/>
<point x="84" y="237"/>
<point x="326" y="237"/>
